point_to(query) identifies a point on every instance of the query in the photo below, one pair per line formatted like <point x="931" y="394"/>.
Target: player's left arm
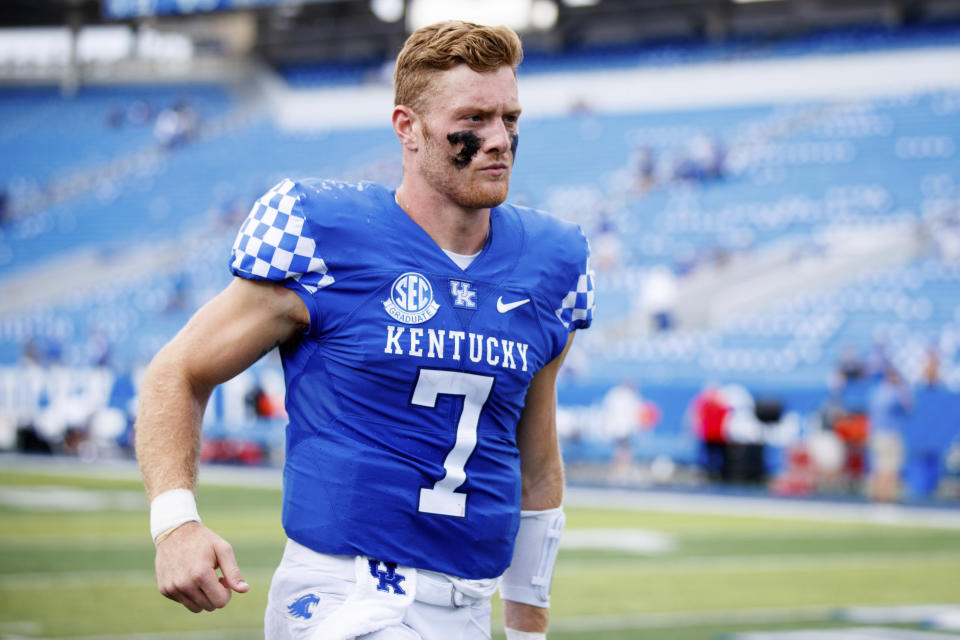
<point x="541" y="469"/>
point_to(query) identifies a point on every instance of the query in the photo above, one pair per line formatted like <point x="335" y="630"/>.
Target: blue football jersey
<point x="404" y="394"/>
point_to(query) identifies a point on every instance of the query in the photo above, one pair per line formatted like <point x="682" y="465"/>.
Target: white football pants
<point x="308" y="587"/>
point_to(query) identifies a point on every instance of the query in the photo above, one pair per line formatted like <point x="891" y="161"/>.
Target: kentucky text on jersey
<point x="456" y="345"/>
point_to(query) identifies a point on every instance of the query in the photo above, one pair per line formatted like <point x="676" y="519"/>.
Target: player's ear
<point x="406" y="124"/>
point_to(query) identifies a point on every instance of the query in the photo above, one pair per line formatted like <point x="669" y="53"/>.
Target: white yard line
<point x="63" y="498"/>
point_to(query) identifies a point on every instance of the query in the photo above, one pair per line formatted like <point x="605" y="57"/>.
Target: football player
<point x="421" y="330"/>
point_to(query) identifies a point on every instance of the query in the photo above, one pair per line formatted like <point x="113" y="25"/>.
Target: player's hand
<point x="187" y="562"/>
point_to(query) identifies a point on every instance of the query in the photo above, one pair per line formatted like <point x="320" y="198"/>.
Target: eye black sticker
<point x="471" y="144"/>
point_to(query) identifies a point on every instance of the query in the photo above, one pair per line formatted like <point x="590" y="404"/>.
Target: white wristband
<point x="171" y="509"/>
<point x="513" y="634"/>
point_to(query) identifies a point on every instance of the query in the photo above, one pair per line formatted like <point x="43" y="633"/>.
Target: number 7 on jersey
<point x="443" y="499"/>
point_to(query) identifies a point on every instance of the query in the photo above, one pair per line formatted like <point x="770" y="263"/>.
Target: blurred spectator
<point x="99" y="348"/>
<point x="721" y="256"/>
<point x="798" y="476"/>
<point x="42" y="352"/>
<point x="850" y="366"/>
<point x="607" y="251"/>
<point x="744" y="434"/>
<point x="930" y="373"/>
<point x="686" y="170"/>
<point x="845" y="411"/>
<point x="189" y="121"/>
<point x="828" y="453"/>
<point x="28" y="440"/>
<point x="64" y="422"/>
<point x="945" y="235"/>
<point x="140" y="112"/>
<point x="712" y="156"/>
<point x="137" y="114"/>
<point x="116" y="118"/>
<point x="877" y="361"/>
<point x="605" y="243"/>
<point x="167" y="129"/>
<point x="849" y="369"/>
<point x="705" y="161"/>
<point x="741" y="423"/>
<point x="950" y="485"/>
<point x="889" y="402"/>
<point x="179" y="294"/>
<point x="123" y="401"/>
<point x="817" y="464"/>
<point x="176" y="126"/>
<point x="660" y="298"/>
<point x="256" y="401"/>
<point x="853" y="429"/>
<point x="707" y="417"/>
<point x="5" y="214"/>
<point x="685" y="261"/>
<point x="232" y="450"/>
<point x="581" y="108"/>
<point x="644" y="168"/>
<point x="605" y="220"/>
<point x="623" y="415"/>
<point x="262" y="404"/>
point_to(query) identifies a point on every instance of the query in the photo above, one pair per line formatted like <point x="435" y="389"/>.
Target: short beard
<point x="476" y="198"/>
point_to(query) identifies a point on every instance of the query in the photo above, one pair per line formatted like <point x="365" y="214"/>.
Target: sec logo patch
<point x="411" y="299"/>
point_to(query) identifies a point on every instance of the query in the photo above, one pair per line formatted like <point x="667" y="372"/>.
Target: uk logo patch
<point x="464" y="295"/>
<point x="303" y="606"/>
<point x="411" y="299"/>
<point x="387" y="579"/>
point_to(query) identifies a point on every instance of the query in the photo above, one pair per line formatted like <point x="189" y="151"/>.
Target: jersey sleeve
<point x="274" y="245"/>
<point x="577" y="305"/>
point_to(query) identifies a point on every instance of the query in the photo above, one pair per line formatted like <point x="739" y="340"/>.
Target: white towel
<point x="379" y="599"/>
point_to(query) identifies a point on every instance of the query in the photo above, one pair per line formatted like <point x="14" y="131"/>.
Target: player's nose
<point x="497" y="139"/>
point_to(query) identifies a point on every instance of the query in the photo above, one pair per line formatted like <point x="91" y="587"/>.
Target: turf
<point x="72" y="572"/>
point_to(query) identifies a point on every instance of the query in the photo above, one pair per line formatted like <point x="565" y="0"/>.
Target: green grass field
<point x="78" y="563"/>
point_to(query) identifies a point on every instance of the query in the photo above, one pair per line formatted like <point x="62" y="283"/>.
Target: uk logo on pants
<point x="388" y="578"/>
<point x="303" y="606"/>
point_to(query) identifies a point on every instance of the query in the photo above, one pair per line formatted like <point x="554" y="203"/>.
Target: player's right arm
<point x="227" y="335"/>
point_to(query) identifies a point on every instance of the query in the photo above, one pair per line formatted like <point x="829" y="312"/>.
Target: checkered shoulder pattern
<point x="271" y="244"/>
<point x="576" y="308"/>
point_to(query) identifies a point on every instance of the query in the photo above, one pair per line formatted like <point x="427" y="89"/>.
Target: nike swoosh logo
<point x="510" y="306"/>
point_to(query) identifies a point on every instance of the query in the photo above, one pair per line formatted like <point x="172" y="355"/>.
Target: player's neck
<point x="452" y="227"/>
